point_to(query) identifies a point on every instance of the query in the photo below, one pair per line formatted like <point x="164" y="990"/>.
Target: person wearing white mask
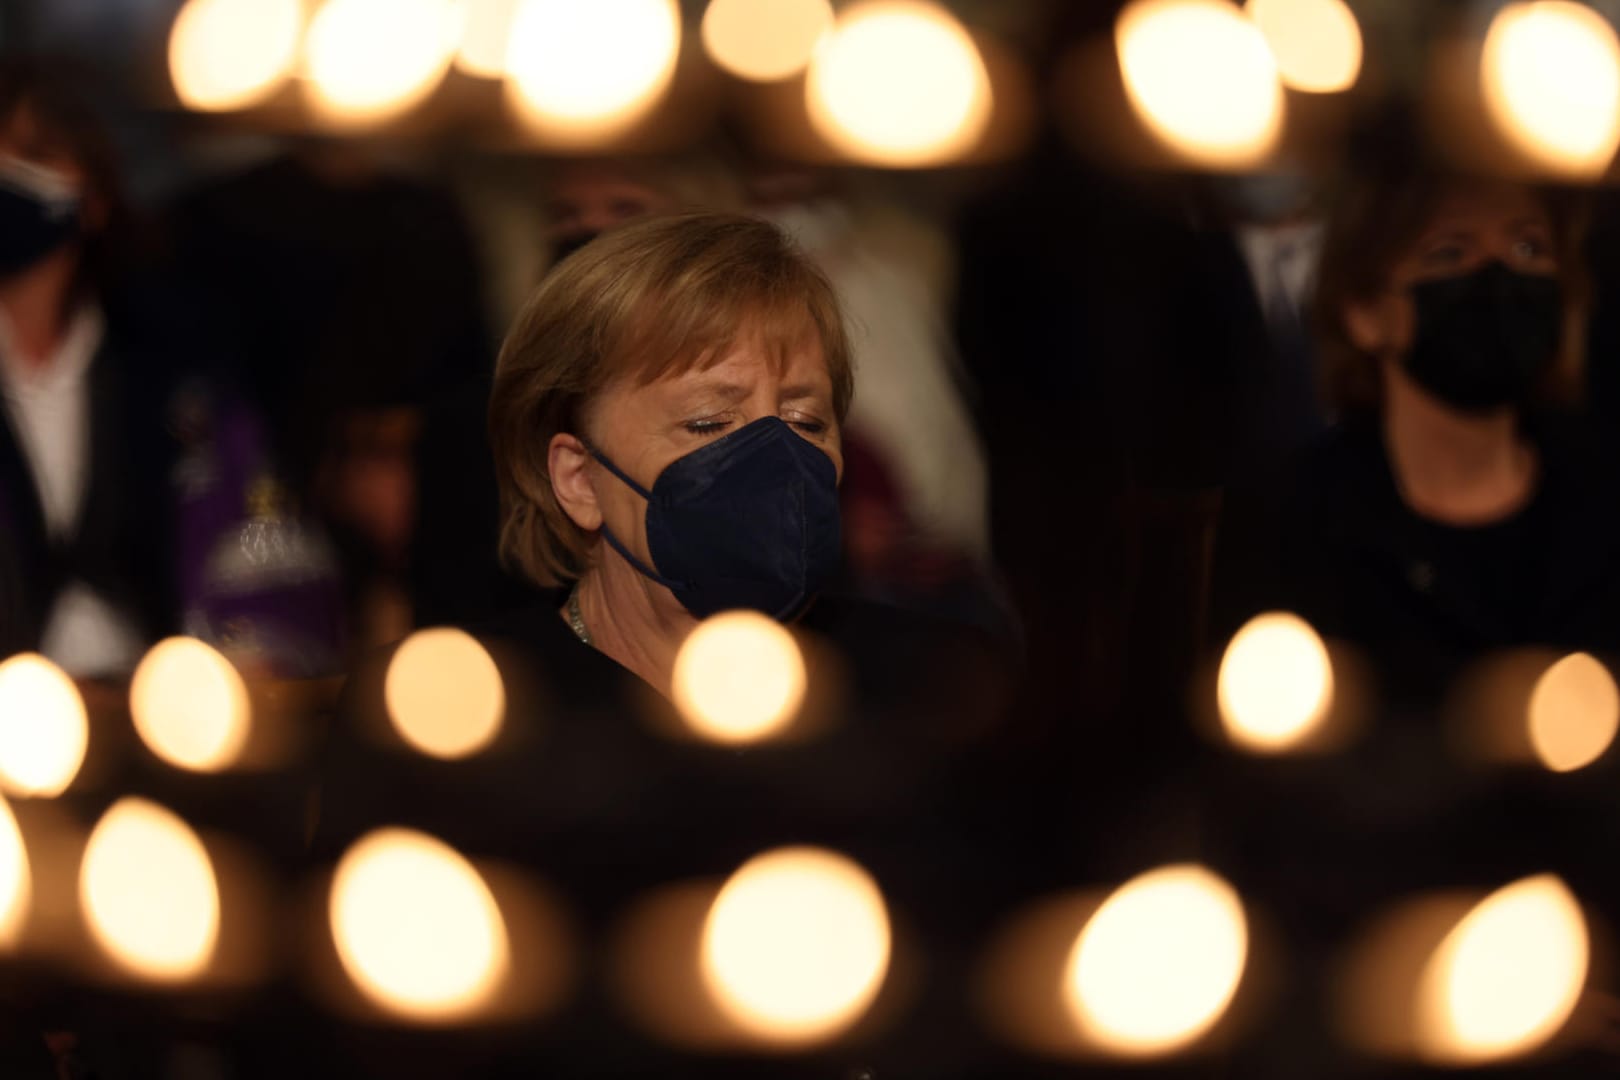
<point x="81" y="457"/>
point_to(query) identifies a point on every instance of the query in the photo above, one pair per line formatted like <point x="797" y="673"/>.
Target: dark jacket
<point x="584" y="791"/>
<point x="1334" y="542"/>
<point x="1330" y="842"/>
<point x="122" y="546"/>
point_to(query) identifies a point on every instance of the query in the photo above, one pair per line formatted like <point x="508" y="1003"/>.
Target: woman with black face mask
<point x="1451" y="538"/>
<point x="1454" y="510"/>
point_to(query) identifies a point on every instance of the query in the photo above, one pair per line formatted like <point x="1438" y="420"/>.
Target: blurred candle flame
<point x="765" y="40"/>
<point x="148" y="890"/>
<point x="190" y="705"/>
<point x="1275" y="687"/>
<point x="1159" y="963"/>
<point x="1550" y="74"/>
<point x="739" y="678"/>
<point x="44" y="732"/>
<point x="1574" y="713"/>
<point x="233" y="54"/>
<point x="368" y="61"/>
<point x="444" y="693"/>
<point x="486" y="37"/>
<point x="796" y="945"/>
<point x="1316" y="43"/>
<point x="1200" y="75"/>
<point x="417" y="929"/>
<point x="16" y="878"/>
<point x="899" y="83"/>
<point x="1507" y="978"/>
<point x="589" y="71"/>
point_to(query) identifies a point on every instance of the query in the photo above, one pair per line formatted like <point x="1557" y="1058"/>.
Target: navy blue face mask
<point x="748" y="521"/>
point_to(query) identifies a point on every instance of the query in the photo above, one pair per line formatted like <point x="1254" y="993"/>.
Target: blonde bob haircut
<point x="659" y="297"/>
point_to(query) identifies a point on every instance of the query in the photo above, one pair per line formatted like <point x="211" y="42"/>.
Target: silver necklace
<point x="576" y="621"/>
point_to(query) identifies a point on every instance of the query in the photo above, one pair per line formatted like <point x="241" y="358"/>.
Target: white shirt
<point x="907" y="402"/>
<point x="48" y="407"/>
<point x="1282" y="263"/>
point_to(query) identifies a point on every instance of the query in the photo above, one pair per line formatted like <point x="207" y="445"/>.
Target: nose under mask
<point x="748" y="521"/>
<point x="1486" y="339"/>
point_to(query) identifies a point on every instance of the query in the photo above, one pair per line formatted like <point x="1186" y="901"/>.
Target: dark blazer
<point x="122" y="546"/>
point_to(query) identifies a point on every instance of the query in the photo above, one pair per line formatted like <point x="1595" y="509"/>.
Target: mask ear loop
<point x="613" y="541"/>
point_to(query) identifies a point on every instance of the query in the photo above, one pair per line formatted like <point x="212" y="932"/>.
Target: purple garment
<point x="254" y="578"/>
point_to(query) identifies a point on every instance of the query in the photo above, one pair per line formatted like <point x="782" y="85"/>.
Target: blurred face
<point x="1473" y="227"/>
<point x="24" y="138"/>
<point x="44" y="207"/>
<point x="589" y="199"/>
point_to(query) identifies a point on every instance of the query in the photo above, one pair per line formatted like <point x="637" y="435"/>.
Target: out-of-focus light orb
<point x="591" y="68"/>
<point x="148" y="890"/>
<point x="1316" y="43"/>
<point x="739" y="678"/>
<point x="370" y="60"/>
<point x="796" y="945"/>
<point x="16" y="878"/>
<point x="417" y="928"/>
<point x="899" y="83"/>
<point x="1202" y="78"/>
<point x="190" y="705"/>
<point x="485" y="37"/>
<point x="444" y="693"/>
<point x="1550" y="74"/>
<point x="1159" y="963"/>
<point x="1574" y="713"/>
<point x="43" y="728"/>
<point x="765" y="40"/>
<point x="1275" y="686"/>
<point x="1507" y="978"/>
<point x="232" y="54"/>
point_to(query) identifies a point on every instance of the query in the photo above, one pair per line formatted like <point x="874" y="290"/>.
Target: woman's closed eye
<point x="709" y="426"/>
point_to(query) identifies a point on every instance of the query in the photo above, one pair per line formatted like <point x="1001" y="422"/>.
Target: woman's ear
<point x="1370" y="325"/>
<point x="569" y="462"/>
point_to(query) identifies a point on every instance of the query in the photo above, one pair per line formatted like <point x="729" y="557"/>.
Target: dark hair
<point x="1379" y="212"/>
<point x="50" y="89"/>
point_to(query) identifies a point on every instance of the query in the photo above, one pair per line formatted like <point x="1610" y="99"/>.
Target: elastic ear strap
<point x="616" y="471"/>
<point x="646" y="571"/>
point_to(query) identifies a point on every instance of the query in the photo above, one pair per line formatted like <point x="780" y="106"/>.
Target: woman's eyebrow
<point x="804" y="390"/>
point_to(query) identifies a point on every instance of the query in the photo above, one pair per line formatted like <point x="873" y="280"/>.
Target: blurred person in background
<point x="1272" y="228"/>
<point x="1454" y="513"/>
<point x="127" y="465"/>
<point x="138" y="485"/>
<point x="1456" y="507"/>
<point x="666" y="422"/>
<point x="136" y="493"/>
<point x="348" y="286"/>
<point x="83" y="451"/>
